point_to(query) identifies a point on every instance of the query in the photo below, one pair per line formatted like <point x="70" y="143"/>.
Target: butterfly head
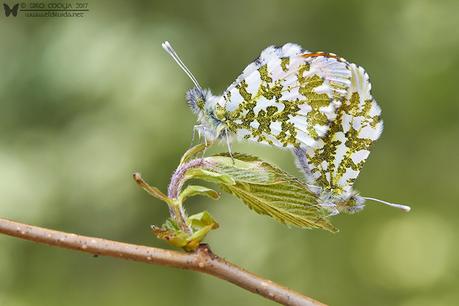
<point x="203" y="104"/>
<point x="352" y="203"/>
<point x="196" y="99"/>
<point x="341" y="201"/>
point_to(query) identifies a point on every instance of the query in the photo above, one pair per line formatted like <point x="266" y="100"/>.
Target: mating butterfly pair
<point x="316" y="104"/>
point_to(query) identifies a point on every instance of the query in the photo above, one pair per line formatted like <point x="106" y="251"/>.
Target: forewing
<point x="287" y="97"/>
<point x="338" y="158"/>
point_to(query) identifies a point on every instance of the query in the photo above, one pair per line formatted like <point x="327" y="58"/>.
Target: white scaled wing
<point x="287" y="97"/>
<point x="336" y="161"/>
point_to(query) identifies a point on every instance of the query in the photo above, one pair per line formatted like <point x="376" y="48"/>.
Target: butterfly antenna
<point x="399" y="206"/>
<point x="167" y="46"/>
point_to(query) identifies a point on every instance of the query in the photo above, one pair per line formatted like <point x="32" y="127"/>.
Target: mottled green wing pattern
<point x="287" y="97"/>
<point x="337" y="159"/>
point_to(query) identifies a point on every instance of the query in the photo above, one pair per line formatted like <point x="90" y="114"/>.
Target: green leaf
<point x="201" y="224"/>
<point x="209" y="176"/>
<point x="153" y="191"/>
<point x="269" y="190"/>
<point x="195" y="239"/>
<point x="170" y="232"/>
<point x="202" y="220"/>
<point x="261" y="186"/>
<point x="192" y="190"/>
<point x="192" y="152"/>
<point x="242" y="168"/>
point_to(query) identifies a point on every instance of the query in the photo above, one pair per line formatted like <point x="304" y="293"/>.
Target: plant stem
<point x="175" y="206"/>
<point x="178" y="214"/>
<point x="201" y="260"/>
<point x="178" y="179"/>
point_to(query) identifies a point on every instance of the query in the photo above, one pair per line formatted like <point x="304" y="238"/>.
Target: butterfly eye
<point x="200" y="103"/>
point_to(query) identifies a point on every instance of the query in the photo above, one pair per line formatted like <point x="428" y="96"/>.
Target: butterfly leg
<point x="207" y="144"/>
<point x="228" y="144"/>
<point x="202" y="133"/>
<point x="193" y="136"/>
<point x="333" y="210"/>
<point x="200" y="130"/>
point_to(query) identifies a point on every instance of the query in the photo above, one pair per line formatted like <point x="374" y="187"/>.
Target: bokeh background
<point x="84" y="102"/>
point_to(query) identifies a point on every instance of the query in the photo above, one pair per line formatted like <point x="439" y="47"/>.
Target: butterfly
<point x="11" y="10"/>
<point x="316" y="104"/>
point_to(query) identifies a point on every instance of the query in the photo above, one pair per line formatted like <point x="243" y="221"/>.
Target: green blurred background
<point x="87" y="101"/>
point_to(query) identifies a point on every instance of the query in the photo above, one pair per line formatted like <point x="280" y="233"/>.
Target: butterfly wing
<point x="287" y="97"/>
<point x="336" y="161"/>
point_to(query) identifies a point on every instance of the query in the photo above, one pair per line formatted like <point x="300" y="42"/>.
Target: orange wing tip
<point x="324" y="54"/>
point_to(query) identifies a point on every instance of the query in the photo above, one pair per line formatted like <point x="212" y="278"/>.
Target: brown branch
<point x="202" y="260"/>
